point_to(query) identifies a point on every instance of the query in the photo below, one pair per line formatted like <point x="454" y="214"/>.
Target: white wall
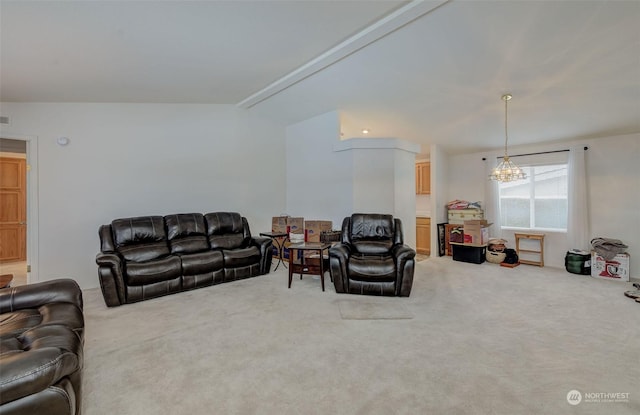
<point x="613" y="181"/>
<point x="439" y="192"/>
<point x="405" y="193"/>
<point x="143" y="159"/>
<point x="330" y="179"/>
<point x="319" y="183"/>
<point x="374" y="184"/>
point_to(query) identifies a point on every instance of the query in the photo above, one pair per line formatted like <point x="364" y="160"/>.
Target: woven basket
<point x="495" y="257"/>
<point x="330" y="236"/>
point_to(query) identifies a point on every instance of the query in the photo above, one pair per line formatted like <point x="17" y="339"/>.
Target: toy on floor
<point x="634" y="294"/>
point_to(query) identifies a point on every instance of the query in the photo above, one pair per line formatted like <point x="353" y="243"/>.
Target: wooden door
<point x="13" y="209"/>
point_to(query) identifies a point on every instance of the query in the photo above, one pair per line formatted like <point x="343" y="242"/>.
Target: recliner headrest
<point x="143" y="229"/>
<point x="371" y="226"/>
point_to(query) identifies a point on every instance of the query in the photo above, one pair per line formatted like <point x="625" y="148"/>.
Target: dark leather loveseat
<point x="371" y="257"/>
<point x="41" y="343"/>
<point x="151" y="256"/>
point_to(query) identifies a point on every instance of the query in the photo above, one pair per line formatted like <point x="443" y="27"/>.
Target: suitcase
<point x="458" y="216"/>
<point x="578" y="262"/>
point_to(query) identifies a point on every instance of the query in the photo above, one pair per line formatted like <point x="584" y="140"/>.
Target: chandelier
<point x="506" y="171"/>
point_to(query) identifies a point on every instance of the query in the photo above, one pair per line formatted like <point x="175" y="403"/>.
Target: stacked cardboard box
<point x="313" y="229"/>
<point x="476" y="232"/>
<point x="288" y="225"/>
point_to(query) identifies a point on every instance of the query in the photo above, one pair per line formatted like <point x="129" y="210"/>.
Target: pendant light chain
<point x="506" y="134"/>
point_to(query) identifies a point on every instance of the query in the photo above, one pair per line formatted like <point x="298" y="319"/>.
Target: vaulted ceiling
<point x="428" y="71"/>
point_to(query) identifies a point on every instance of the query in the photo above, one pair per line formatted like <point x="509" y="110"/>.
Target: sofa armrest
<point x="403" y="252"/>
<point x="110" y="274"/>
<point x="338" y="258"/>
<point x="29" y="372"/>
<point x="404" y="256"/>
<point x="63" y="290"/>
<point x="266" y="253"/>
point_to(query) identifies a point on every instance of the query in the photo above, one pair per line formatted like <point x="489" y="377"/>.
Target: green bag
<point x="578" y="262"/>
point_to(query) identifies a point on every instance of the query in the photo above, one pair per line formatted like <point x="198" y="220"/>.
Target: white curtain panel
<point x="578" y="220"/>
<point x="492" y="195"/>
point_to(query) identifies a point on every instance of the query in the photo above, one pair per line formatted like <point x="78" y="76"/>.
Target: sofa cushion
<point x="17" y="322"/>
<point x="163" y="269"/>
<point x="374" y="268"/>
<point x="187" y="233"/>
<point x="140" y="239"/>
<point x="241" y="257"/>
<point x="41" y="357"/>
<point x="41" y="339"/>
<point x="201" y="262"/>
<point x="225" y="230"/>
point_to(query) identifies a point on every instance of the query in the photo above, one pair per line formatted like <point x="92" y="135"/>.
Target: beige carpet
<point x="483" y="339"/>
<point x="372" y="308"/>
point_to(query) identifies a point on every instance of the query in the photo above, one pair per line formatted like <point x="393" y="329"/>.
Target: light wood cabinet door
<point x="423" y="178"/>
<point x="423" y="236"/>
<point x="13" y="209"/>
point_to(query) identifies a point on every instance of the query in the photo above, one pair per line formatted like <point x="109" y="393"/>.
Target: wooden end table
<point x="276" y="237"/>
<point x="539" y="237"/>
<point x="5" y="280"/>
<point x="304" y="268"/>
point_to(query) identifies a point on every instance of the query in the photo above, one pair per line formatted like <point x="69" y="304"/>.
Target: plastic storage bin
<point x="475" y="254"/>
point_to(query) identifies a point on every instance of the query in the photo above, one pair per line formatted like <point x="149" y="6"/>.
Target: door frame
<point x="32" y="202"/>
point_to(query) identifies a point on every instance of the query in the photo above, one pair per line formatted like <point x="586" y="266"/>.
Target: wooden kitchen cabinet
<point x="423" y="178"/>
<point x="423" y="236"/>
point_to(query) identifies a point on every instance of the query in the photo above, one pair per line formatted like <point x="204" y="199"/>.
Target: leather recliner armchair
<point x="371" y="257"/>
<point x="41" y="348"/>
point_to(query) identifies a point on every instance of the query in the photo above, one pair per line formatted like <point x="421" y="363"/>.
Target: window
<point x="537" y="202"/>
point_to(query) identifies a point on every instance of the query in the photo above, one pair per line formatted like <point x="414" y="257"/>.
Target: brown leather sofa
<point x="152" y="256"/>
<point x="371" y="257"/>
<point x="41" y="342"/>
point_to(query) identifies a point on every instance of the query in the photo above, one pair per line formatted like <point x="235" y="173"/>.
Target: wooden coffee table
<point x="5" y="280"/>
<point x="307" y="268"/>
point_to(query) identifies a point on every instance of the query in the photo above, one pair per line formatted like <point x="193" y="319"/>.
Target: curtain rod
<point x="535" y="154"/>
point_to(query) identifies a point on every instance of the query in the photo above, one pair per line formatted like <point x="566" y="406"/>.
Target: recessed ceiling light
<point x="365" y="131"/>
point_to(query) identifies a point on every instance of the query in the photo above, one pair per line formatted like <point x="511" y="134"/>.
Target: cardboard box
<point x="313" y="229"/>
<point x="314" y="260"/>
<point x="476" y="231"/>
<point x="279" y="224"/>
<point x="285" y="224"/>
<point x="295" y="225"/>
<point x="616" y="269"/>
